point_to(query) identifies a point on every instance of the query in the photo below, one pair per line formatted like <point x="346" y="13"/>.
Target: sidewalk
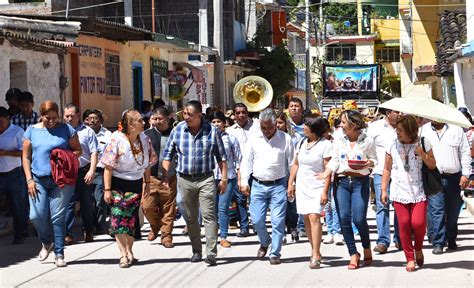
<point x="96" y="265"/>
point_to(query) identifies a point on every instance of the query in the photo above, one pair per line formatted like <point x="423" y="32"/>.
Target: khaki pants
<point x="200" y="193"/>
<point x="159" y="207"/>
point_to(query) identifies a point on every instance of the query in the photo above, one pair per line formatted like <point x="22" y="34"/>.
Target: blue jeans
<point x="263" y="197"/>
<point x="49" y="209"/>
<point x="436" y="219"/>
<point x="180" y="205"/>
<point x="300" y="224"/>
<point x="222" y="207"/>
<point x="332" y="220"/>
<point x="83" y="194"/>
<point x="13" y="184"/>
<point x="242" y="209"/>
<point x="443" y="211"/>
<point x="352" y="199"/>
<point x="382" y="216"/>
<point x="100" y="205"/>
<point x="453" y="204"/>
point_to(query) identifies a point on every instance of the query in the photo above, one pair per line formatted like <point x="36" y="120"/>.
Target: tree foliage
<point x="338" y="14"/>
<point x="278" y="68"/>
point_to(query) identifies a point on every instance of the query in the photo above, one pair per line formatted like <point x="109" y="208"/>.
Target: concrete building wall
<point x="365" y="53"/>
<point x="37" y="72"/>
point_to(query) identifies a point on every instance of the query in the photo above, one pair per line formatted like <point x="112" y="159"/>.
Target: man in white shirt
<point x="243" y="128"/>
<point x="267" y="157"/>
<point x="383" y="132"/>
<point x="95" y="119"/>
<point x="12" y="178"/>
<point x="85" y="176"/>
<point x="453" y="160"/>
<point x="296" y="119"/>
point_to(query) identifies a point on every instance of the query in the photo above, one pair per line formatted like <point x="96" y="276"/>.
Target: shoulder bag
<point x="431" y="177"/>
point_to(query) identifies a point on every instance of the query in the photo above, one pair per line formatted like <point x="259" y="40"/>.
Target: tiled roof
<point x="452" y="25"/>
<point x="51" y="43"/>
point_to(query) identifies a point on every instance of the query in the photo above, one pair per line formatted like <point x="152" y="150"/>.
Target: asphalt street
<point x="96" y="265"/>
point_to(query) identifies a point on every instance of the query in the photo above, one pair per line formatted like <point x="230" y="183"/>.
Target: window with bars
<point x="387" y="54"/>
<point x="112" y="74"/>
<point x="341" y="52"/>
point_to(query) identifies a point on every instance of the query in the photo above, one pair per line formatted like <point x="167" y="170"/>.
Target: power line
<point x="87" y="7"/>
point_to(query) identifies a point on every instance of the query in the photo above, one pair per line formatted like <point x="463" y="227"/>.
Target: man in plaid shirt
<point x="197" y="144"/>
<point x="27" y="116"/>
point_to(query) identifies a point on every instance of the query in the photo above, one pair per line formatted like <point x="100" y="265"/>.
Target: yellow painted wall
<point x="92" y="65"/>
<point x="92" y="72"/>
<point x="387" y="29"/>
<point x="425" y="31"/>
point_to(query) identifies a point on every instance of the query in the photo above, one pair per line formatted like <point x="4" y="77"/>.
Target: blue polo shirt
<point x="43" y="141"/>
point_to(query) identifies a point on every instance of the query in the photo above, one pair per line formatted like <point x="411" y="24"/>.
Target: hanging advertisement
<point x="351" y="81"/>
<point x="176" y="87"/>
<point x="159" y="70"/>
<point x="200" y="80"/>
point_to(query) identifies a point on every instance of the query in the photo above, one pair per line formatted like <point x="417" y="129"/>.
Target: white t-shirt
<point x="407" y="185"/>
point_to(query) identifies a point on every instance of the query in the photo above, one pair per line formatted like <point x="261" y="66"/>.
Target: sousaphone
<point x="253" y="91"/>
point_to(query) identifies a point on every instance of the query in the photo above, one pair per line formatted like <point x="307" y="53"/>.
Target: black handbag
<point x="431" y="178"/>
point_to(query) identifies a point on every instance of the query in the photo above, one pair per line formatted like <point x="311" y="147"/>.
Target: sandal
<point x="124" y="262"/>
<point x="314" y="263"/>
<point x="132" y="259"/>
<point x="353" y="266"/>
<point x="409" y="267"/>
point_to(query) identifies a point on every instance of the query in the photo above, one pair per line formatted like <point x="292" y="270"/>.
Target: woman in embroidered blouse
<point x="403" y="162"/>
<point x="353" y="190"/>
<point x="127" y="158"/>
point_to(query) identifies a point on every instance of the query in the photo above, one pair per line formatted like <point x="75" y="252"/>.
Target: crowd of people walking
<point x="296" y="165"/>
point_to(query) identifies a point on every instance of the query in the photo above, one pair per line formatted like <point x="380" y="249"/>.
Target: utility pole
<point x="309" y="96"/>
<point x="128" y="12"/>
<point x="153" y="16"/>
<point x="203" y="30"/>
<point x="219" y="79"/>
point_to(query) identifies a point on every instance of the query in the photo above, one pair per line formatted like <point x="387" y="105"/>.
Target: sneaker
<point x="44" y="253"/>
<point x="185" y="231"/>
<point x="295" y="237"/>
<point x="338" y="239"/>
<point x="243" y="234"/>
<point x="437" y="250"/>
<point x="380" y="248"/>
<point x="211" y="260"/>
<point x="59" y="261"/>
<point x="68" y="240"/>
<point x="329" y="239"/>
<point x="88" y="237"/>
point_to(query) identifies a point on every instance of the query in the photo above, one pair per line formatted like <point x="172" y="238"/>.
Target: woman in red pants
<point x="403" y="162"/>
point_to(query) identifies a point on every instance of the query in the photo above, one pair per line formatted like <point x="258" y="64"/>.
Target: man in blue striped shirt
<point x="197" y="144"/>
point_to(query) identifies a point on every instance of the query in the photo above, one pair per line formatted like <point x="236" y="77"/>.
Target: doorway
<point x="137" y="85"/>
